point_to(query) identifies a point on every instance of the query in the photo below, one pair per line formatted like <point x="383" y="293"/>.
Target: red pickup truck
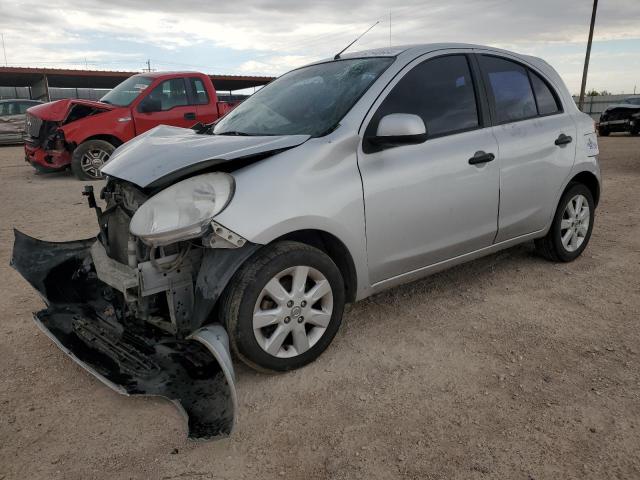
<point x="84" y="133"/>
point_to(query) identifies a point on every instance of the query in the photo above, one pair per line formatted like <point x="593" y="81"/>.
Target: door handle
<point x="481" y="157"/>
<point x="563" y="139"/>
<point x="190" y="116"/>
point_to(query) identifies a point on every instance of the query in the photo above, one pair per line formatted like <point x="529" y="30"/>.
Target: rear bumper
<point x="51" y="159"/>
<point x="84" y="317"/>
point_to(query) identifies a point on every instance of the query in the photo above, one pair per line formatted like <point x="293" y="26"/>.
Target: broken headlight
<point x="182" y="211"/>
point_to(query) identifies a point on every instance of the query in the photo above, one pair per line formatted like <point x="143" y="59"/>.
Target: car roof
<point x="412" y="51"/>
<point x="420" y="49"/>
<point x="416" y="48"/>
<point x="166" y="74"/>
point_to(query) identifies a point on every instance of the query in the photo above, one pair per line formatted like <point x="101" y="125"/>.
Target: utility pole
<point x="389" y="27"/>
<point x="586" y="58"/>
<point x="149" y="65"/>
<point x="4" y="50"/>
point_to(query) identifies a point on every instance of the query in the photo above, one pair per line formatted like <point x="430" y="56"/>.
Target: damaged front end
<point x="137" y="316"/>
<point x="620" y="118"/>
<point x="45" y="144"/>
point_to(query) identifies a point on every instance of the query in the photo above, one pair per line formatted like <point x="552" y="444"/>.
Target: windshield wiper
<point x="106" y="101"/>
<point x="236" y="133"/>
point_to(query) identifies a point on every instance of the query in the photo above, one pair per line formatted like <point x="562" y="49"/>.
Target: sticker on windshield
<point x="591" y="144"/>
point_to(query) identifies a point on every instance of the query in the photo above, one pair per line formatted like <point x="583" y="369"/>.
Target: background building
<point x="48" y="84"/>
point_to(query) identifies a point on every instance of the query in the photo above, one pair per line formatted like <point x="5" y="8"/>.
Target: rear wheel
<point x="88" y="157"/>
<point x="571" y="228"/>
<point x="284" y="306"/>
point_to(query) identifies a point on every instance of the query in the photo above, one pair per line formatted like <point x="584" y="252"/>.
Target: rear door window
<point x="510" y="88"/>
<point x="440" y="91"/>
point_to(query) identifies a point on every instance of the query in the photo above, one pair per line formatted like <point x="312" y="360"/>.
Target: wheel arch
<point x="590" y="181"/>
<point x="335" y="249"/>
<point x="112" y="139"/>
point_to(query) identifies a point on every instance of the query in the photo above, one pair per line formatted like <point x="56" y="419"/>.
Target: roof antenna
<point x="361" y="35"/>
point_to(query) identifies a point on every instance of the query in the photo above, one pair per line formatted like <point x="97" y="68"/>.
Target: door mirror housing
<point x="398" y="129"/>
<point x="149" y="105"/>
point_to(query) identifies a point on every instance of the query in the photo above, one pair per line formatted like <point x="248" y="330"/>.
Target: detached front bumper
<point x="84" y="317"/>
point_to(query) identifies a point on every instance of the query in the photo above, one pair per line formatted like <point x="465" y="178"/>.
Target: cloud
<point x="274" y="65"/>
<point x="272" y="36"/>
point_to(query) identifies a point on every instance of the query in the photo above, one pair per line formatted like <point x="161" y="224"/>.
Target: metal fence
<point x="594" y="106"/>
<point x="55" y="93"/>
<point x="14" y="92"/>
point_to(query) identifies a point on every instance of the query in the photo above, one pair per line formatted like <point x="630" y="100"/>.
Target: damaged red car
<point x="82" y="134"/>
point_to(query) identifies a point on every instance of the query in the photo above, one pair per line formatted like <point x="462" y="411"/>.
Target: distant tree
<point x="592" y="93"/>
<point x="605" y="92"/>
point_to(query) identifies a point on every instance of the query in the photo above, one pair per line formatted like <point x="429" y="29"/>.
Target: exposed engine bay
<point x="163" y="285"/>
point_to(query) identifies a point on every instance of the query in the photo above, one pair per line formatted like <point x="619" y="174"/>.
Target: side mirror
<point x="149" y="105"/>
<point x="398" y="129"/>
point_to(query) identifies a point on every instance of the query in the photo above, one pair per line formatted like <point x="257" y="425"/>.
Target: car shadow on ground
<point x="467" y="278"/>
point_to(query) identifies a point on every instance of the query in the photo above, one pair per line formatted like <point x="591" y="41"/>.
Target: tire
<point x="552" y="246"/>
<point x="88" y="157"/>
<point x="603" y="131"/>
<point x="245" y="296"/>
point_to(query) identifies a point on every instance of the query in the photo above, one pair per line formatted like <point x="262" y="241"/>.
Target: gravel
<point x="506" y="367"/>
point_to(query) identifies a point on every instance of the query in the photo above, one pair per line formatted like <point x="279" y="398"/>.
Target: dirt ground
<point x="509" y="367"/>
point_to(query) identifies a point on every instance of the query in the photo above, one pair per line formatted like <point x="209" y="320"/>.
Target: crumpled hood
<point x="57" y="111"/>
<point x="163" y="153"/>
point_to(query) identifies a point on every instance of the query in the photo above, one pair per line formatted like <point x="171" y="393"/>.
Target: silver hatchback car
<point x="336" y="181"/>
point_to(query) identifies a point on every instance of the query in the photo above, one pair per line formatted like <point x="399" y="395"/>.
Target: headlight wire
<point x="169" y="267"/>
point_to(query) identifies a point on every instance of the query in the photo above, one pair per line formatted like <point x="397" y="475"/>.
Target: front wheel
<point x="88" y="158"/>
<point x="571" y="228"/>
<point x="284" y="306"/>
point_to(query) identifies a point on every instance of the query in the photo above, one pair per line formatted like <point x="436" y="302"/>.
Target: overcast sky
<point x="272" y="36"/>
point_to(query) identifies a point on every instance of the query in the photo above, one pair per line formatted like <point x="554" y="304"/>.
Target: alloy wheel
<point x="92" y="160"/>
<point x="575" y="223"/>
<point x="292" y="311"/>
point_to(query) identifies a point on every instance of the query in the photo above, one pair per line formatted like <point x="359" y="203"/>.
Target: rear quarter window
<point x="546" y="100"/>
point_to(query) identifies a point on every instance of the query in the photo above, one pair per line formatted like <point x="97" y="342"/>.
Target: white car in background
<point x="12" y="119"/>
